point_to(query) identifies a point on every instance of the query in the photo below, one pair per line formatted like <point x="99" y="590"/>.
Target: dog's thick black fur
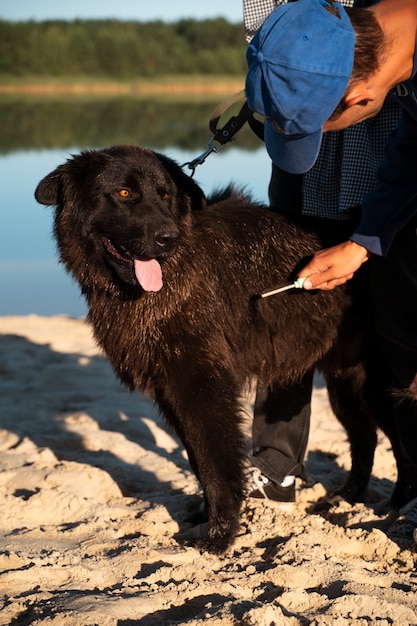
<point x="193" y="343"/>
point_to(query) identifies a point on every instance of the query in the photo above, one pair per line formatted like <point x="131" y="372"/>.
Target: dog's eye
<point x="124" y="193"/>
<point x="165" y="196"/>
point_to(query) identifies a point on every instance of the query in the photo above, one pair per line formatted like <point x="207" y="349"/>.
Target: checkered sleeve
<point x="256" y="11"/>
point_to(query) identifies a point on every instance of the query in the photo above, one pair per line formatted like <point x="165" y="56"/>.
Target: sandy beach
<point x="96" y="491"/>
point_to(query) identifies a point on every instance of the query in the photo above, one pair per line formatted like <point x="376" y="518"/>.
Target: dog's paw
<point x="352" y="491"/>
<point x="217" y="546"/>
<point x="219" y="537"/>
<point x="204" y="538"/>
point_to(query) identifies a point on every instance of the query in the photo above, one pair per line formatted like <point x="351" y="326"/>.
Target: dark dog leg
<point x="362" y="401"/>
<point x="215" y="446"/>
<point x="381" y="404"/>
<point x="349" y="405"/>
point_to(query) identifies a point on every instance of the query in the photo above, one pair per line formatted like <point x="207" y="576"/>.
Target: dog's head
<point x="120" y="212"/>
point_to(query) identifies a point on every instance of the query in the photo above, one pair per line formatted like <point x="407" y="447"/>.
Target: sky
<point x="141" y="10"/>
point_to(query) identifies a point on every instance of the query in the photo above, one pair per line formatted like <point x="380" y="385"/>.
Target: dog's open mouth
<point x="148" y="272"/>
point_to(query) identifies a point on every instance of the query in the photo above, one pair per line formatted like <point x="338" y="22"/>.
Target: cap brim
<point x="293" y="154"/>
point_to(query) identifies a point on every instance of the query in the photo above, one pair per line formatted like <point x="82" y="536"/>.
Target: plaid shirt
<point x="256" y="11"/>
<point x="345" y="170"/>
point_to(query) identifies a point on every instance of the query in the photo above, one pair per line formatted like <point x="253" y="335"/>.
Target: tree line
<point x="121" y="50"/>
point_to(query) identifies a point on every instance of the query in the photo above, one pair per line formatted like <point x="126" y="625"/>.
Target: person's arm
<point x="385" y="212"/>
<point x="394" y="200"/>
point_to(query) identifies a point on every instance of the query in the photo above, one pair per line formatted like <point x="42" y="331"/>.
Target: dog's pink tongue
<point x="149" y="274"/>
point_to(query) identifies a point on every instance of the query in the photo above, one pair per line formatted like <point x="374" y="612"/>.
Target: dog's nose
<point x="166" y="238"/>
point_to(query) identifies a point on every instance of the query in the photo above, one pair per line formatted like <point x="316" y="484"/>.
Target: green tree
<point x="125" y="50"/>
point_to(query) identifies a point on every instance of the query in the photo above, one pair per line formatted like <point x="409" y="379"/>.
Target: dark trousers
<point x="281" y="427"/>
<point x="282" y="415"/>
<point x="394" y="293"/>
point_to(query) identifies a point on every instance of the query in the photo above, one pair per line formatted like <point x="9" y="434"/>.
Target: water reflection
<point x="38" y="136"/>
<point x="33" y="123"/>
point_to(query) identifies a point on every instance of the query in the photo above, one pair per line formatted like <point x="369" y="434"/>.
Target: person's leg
<point x="280" y="435"/>
<point x="282" y="415"/>
<point x="281" y="418"/>
<point x="394" y="290"/>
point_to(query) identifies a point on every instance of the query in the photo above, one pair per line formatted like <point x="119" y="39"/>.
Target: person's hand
<point x="334" y="266"/>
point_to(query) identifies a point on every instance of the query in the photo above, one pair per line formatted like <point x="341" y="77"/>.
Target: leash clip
<point x="225" y="134"/>
<point x="201" y="159"/>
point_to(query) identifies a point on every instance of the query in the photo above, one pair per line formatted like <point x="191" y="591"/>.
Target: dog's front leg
<point x="206" y="418"/>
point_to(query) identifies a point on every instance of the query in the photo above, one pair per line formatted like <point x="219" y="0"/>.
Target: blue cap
<point x="300" y="62"/>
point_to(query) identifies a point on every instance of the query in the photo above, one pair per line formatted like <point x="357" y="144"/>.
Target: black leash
<point x="222" y="136"/>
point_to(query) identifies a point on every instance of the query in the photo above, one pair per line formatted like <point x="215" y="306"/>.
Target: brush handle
<point x="298" y="284"/>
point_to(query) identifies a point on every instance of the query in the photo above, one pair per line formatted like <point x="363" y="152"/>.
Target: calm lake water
<point x="31" y="279"/>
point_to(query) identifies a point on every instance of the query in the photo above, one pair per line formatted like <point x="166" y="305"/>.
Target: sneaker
<point x="405" y="526"/>
<point x="260" y="486"/>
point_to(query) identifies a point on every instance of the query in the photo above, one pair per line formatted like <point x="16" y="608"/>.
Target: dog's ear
<point x="50" y="189"/>
<point x="184" y="182"/>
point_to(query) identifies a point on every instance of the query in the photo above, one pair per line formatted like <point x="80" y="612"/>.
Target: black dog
<point x="172" y="283"/>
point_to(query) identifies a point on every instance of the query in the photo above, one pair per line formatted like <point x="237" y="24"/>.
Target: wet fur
<point x="194" y="344"/>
